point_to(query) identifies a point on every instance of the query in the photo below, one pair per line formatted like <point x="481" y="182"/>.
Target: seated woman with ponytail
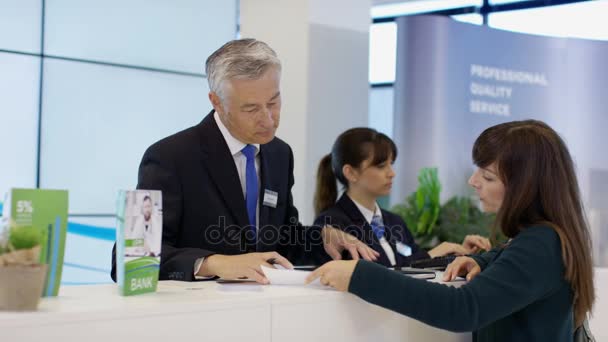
<point x="361" y="160"/>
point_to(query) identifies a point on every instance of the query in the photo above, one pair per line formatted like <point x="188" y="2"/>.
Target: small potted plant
<point x="460" y="216"/>
<point x="22" y="277"/>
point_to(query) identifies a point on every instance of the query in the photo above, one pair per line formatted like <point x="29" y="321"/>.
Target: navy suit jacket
<point x="346" y="216"/>
<point x="204" y="210"/>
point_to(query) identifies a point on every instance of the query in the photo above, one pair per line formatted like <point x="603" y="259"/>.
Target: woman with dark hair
<point x="361" y="160"/>
<point x="536" y="287"/>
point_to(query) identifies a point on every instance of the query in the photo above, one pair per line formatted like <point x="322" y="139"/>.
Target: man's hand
<point x="335" y="241"/>
<point x="241" y="266"/>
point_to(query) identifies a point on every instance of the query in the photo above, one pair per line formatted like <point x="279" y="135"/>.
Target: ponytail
<point x="326" y="192"/>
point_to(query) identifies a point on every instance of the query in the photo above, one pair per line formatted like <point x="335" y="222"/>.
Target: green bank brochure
<point x="138" y="240"/>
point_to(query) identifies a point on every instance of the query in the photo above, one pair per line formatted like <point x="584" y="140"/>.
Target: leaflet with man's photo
<point x="138" y="240"/>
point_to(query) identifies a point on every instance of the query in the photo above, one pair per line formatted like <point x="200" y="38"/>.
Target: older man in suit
<point x="226" y="182"/>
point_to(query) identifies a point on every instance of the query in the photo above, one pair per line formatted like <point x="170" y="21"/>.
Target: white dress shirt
<point x="235" y="146"/>
<point x="240" y="161"/>
<point x="369" y="215"/>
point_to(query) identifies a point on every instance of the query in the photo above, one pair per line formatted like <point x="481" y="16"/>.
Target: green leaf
<point x="421" y="209"/>
<point x="419" y="200"/>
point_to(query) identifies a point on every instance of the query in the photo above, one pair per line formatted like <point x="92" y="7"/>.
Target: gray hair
<point x="239" y="59"/>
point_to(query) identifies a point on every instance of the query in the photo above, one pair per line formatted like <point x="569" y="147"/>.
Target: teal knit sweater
<point x="520" y="295"/>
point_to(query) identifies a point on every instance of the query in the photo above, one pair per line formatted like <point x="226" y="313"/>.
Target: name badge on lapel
<point x="403" y="249"/>
<point x="270" y="198"/>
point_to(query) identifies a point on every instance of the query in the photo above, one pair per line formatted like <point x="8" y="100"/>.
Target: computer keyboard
<point x="437" y="263"/>
<point x="416" y="272"/>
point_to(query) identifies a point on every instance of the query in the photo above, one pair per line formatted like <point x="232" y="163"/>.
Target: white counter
<point x="209" y="311"/>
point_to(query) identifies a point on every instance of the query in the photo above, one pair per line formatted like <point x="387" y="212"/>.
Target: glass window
<point x="471" y="18"/>
<point x="88" y="250"/>
<point x="98" y="121"/>
<point x="159" y="34"/>
<point x="19" y="89"/>
<point x="381" y="109"/>
<point x="382" y="52"/>
<point x="20" y="25"/>
<point x="499" y="2"/>
<point x="579" y="20"/>
<point x="412" y="7"/>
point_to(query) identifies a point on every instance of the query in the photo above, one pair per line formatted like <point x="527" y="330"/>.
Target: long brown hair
<point x="352" y="147"/>
<point x="541" y="187"/>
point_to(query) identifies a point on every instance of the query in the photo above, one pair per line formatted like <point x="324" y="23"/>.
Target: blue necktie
<point x="251" y="186"/>
<point x="377" y="226"/>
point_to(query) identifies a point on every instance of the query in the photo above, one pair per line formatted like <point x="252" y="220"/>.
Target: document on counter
<point x="278" y="276"/>
<point x="283" y="276"/>
<point x="458" y="282"/>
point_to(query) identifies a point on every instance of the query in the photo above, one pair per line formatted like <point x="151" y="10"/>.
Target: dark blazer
<point x="204" y="210"/>
<point x="346" y="216"/>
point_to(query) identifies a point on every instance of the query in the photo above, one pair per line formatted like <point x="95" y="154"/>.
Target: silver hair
<point x="239" y="59"/>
